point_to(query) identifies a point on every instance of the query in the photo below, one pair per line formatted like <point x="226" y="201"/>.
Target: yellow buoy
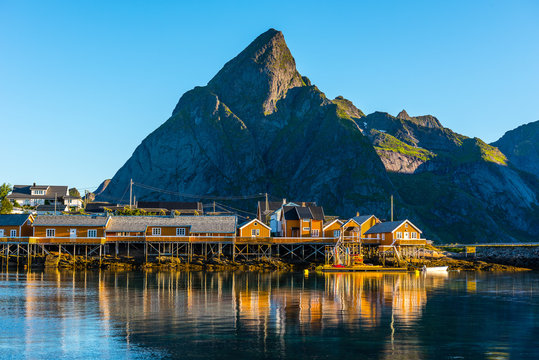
<point x="306" y="272"/>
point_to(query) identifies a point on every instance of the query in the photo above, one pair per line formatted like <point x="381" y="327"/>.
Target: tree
<point x="5" y="205"/>
<point x="74" y="192"/>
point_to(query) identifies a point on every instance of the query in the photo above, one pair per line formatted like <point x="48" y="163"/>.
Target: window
<point x="1" y="232"/>
<point x="50" y="232"/>
<point x="13" y="233"/>
<point x="255" y="232"/>
<point x="315" y="233"/>
<point x="336" y="233"/>
<point x="92" y="233"/>
<point x="180" y="231"/>
<point x="414" y="235"/>
<point x="306" y="228"/>
<point x="383" y="236"/>
<point x="399" y="235"/>
<point x="156" y="231"/>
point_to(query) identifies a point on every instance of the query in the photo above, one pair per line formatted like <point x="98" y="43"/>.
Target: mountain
<point x="521" y="146"/>
<point x="461" y="187"/>
<point x="260" y="126"/>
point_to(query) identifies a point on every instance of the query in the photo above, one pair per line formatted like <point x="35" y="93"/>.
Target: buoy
<point x="306" y="272"/>
<point x="417" y="272"/>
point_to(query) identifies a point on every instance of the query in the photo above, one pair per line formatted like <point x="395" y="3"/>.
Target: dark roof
<point x="272" y="206"/>
<point x="388" y="226"/>
<point x="70" y="220"/>
<point x="13" y="219"/>
<point x="97" y="206"/>
<point x="171" y="205"/>
<point x="197" y="224"/>
<point x="303" y="212"/>
<point x="290" y="213"/>
<point x="317" y="211"/>
<point x="59" y="207"/>
<point x="25" y="191"/>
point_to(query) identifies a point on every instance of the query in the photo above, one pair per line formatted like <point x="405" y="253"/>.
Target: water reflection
<point x="243" y="315"/>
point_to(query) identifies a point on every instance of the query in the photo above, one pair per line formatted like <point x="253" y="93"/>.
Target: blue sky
<point x="83" y="82"/>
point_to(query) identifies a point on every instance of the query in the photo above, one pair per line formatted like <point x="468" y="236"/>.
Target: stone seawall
<point x="520" y="256"/>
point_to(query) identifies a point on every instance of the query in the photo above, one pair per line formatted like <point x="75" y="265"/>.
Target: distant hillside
<point x="521" y="146"/>
<point x="260" y="126"/>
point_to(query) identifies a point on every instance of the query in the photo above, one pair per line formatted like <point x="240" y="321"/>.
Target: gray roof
<point x="197" y="224"/>
<point x="70" y="220"/>
<point x="13" y="219"/>
<point x="387" y="227"/>
<point x="303" y="212"/>
<point x="128" y="223"/>
<point x="361" y="219"/>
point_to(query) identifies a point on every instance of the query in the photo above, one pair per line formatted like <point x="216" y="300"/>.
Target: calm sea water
<point x="141" y="315"/>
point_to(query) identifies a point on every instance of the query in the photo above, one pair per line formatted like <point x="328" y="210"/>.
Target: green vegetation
<point x="385" y="141"/>
<point x="477" y="150"/>
<point x="5" y="205"/>
<point x="74" y="192"/>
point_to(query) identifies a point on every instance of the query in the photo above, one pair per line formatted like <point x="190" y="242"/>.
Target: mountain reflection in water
<point x="267" y="315"/>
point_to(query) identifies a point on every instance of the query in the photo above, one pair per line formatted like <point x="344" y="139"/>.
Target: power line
<point x="205" y="197"/>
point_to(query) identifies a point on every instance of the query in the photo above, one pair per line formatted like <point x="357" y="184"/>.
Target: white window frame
<point x="180" y="231"/>
<point x="305" y="228"/>
<point x="336" y="233"/>
<point x="413" y="235"/>
<point x="13" y="233"/>
<point x="75" y="234"/>
<point x="399" y="234"/>
<point x="383" y="236"/>
<point x="315" y="233"/>
<point x="1" y="232"/>
<point x="92" y="233"/>
<point x="156" y="231"/>
<point x="50" y="233"/>
<point x="255" y="232"/>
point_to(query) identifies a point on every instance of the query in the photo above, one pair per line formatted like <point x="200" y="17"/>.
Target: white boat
<point x="435" y="269"/>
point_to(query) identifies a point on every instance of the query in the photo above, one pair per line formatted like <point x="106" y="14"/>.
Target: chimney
<point x="357" y="214"/>
<point x="303" y="203"/>
<point x="34" y="184"/>
<point x="284" y="201"/>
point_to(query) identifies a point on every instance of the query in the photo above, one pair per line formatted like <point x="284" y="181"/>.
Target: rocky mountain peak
<point x="403" y="115"/>
<point x="252" y="82"/>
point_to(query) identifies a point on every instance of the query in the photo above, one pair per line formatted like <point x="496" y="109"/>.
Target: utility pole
<point x="130" y="194"/>
<point x="214" y="207"/>
<point x="391" y="207"/>
<point x="267" y="208"/>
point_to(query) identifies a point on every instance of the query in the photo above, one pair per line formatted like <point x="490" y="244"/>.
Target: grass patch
<point x="388" y="142"/>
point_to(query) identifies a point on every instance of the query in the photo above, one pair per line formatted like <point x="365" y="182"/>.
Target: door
<point x="72" y="233"/>
<point x="1" y="232"/>
<point x="406" y="235"/>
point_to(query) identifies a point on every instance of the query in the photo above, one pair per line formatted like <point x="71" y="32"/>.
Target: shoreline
<point x="454" y="261"/>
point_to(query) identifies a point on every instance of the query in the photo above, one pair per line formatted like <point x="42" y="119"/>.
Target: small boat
<point x="435" y="269"/>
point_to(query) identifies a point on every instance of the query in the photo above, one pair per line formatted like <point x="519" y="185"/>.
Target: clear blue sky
<point x="83" y="82"/>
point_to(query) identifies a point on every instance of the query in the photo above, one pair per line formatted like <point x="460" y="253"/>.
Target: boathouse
<point x="394" y="233"/>
<point x="356" y="227"/>
<point x="333" y="228"/>
<point x="16" y="225"/>
<point x="70" y="226"/>
<point x="254" y="228"/>
<point x="302" y="221"/>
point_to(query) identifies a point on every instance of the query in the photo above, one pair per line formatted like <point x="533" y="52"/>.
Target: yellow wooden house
<point x="255" y="229"/>
<point x="355" y="228"/>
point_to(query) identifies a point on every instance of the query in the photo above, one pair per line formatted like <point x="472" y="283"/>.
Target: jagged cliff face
<point x="521" y="146"/>
<point x="259" y="126"/>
